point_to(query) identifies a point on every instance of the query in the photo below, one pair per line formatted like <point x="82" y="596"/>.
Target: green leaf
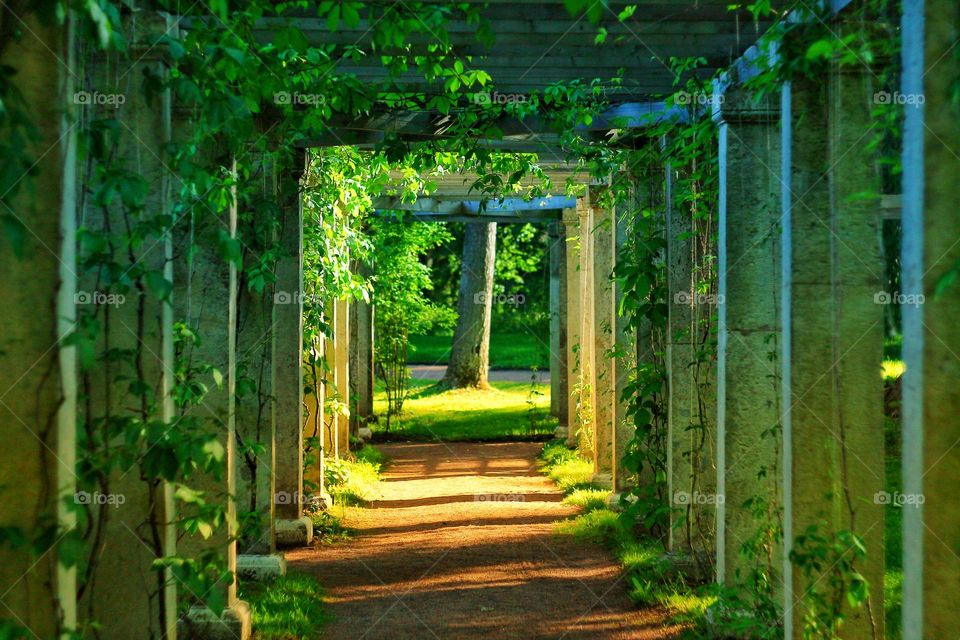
<point x="160" y="286"/>
<point x="820" y="50"/>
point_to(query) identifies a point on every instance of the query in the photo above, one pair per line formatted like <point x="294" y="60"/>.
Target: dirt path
<point x="462" y="546"/>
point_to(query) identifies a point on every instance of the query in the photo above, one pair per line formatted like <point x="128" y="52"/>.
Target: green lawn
<point x="507" y="350"/>
<point x="500" y="413"/>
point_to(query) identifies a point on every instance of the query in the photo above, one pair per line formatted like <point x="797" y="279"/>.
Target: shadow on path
<point x="462" y="546"/>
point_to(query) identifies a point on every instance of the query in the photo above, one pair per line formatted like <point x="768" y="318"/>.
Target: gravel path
<point x="462" y="546"/>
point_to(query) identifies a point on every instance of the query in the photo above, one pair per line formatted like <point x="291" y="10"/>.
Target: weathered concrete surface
<point x="558" y="324"/>
<point x="604" y="326"/>
<point x="202" y="624"/>
<point x="36" y="461"/>
<point x="571" y="231"/>
<point x="586" y="419"/>
<point x="691" y="470"/>
<point x="255" y="346"/>
<point x="261" y="567"/>
<point x="625" y="361"/>
<point x="288" y="416"/>
<point x="361" y="367"/>
<point x="137" y="525"/>
<point x="748" y="385"/>
<point x="832" y="393"/>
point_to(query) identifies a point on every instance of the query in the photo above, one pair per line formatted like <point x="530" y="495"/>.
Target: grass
<point x="287" y="608"/>
<point x="642" y="561"/>
<point x="353" y="482"/>
<point x="507" y="350"/>
<point x="892" y="369"/>
<point x="500" y="413"/>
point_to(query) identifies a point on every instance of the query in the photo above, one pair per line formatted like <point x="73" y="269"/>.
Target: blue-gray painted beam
<point x="912" y="272"/>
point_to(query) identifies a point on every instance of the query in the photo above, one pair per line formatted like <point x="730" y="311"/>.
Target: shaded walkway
<point x="462" y="546"/>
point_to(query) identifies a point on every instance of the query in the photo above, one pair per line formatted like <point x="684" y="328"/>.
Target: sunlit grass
<point x="566" y="467"/>
<point x="892" y="369"/>
<point x="601" y="526"/>
<point x="588" y="499"/>
<point x="687" y="606"/>
<point x="502" y="412"/>
<point x="288" y="608"/>
<point x="360" y="482"/>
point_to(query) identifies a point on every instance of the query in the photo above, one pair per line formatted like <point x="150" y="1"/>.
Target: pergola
<point x="798" y="267"/>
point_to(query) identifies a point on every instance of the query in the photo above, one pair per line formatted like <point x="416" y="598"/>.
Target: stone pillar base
<point x="261" y="567"/>
<point x="365" y="434"/>
<point x="200" y="623"/>
<point x="561" y="432"/>
<point x="613" y="501"/>
<point x="294" y="533"/>
<point x="602" y="480"/>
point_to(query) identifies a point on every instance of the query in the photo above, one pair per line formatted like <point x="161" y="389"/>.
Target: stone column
<point x="558" y="333"/>
<point x="586" y="420"/>
<point x="931" y="333"/>
<point x="574" y="294"/>
<point x="832" y="336"/>
<point x="342" y="366"/>
<point x="690" y="412"/>
<point x="748" y="388"/>
<point x="130" y="378"/>
<point x="624" y="362"/>
<point x="361" y="367"/>
<point x="38" y="382"/>
<point x="292" y="528"/>
<point x="207" y="284"/>
<point x="256" y="428"/>
<point x="603" y="233"/>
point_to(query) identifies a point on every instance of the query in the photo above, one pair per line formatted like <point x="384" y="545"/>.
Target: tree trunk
<point x="470" y="356"/>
